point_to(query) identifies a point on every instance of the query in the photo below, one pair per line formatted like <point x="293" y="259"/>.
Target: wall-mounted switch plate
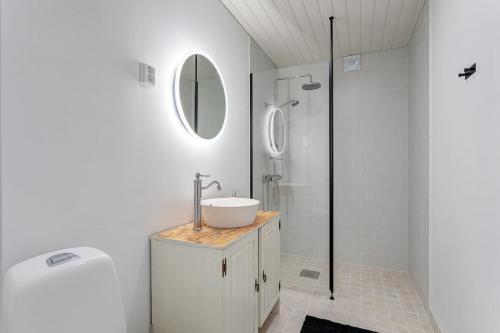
<point x="352" y="63"/>
<point x="147" y="75"/>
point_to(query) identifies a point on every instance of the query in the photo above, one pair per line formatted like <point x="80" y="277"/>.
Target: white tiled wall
<point x="303" y="192"/>
<point x="262" y="95"/>
<point x="305" y="187"/>
<point x="371" y="161"/>
<point x="418" y="155"/>
<point x="264" y="72"/>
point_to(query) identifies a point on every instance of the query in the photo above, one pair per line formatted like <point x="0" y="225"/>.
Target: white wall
<point x="371" y="156"/>
<point x="371" y="161"/>
<point x="418" y="157"/>
<point x="259" y="60"/>
<point x="89" y="156"/>
<point x="464" y="166"/>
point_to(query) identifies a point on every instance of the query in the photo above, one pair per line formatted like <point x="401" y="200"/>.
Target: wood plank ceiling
<point x="294" y="32"/>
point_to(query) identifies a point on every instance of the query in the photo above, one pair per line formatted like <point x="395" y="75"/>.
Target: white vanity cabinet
<point x="240" y="286"/>
<point x="269" y="268"/>
<point x="216" y="280"/>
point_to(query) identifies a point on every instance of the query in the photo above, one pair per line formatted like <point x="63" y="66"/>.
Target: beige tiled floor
<point x="290" y="273"/>
<point x="380" y="300"/>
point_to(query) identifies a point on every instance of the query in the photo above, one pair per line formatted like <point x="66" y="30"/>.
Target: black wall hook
<point x="468" y="72"/>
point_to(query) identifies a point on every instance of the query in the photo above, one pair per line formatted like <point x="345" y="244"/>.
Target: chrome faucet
<point x="198" y="188"/>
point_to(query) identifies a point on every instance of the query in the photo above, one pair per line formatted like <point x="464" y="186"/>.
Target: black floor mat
<point x="316" y="325"/>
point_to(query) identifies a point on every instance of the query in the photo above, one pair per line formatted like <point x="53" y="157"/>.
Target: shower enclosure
<point x="290" y="167"/>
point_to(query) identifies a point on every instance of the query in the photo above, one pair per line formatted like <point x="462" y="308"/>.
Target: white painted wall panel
<point x="392" y="23"/>
<point x="464" y="166"/>
<point x="354" y="14"/>
<point x="380" y="12"/>
<point x="367" y="22"/>
<point x="89" y="156"/>
<point x="361" y="26"/>
<point x="259" y="60"/>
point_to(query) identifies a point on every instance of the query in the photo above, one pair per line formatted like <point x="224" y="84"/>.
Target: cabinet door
<point x="240" y="292"/>
<point x="269" y="268"/>
<point x="186" y="283"/>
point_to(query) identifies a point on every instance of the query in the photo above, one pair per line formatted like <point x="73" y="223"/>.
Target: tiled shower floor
<point x="380" y="300"/>
<point x="291" y="266"/>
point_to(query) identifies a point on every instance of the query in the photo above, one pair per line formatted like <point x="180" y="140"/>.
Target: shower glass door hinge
<point x="257" y="285"/>
<point x="224" y="267"/>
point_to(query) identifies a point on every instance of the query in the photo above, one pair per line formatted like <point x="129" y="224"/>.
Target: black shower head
<point x="311" y="85"/>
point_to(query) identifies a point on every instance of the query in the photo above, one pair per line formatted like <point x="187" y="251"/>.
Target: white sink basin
<point x="229" y="212"/>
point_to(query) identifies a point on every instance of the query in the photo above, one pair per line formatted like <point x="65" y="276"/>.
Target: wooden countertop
<point x="212" y="237"/>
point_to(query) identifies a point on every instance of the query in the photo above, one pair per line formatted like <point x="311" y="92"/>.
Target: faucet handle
<point x="199" y="175"/>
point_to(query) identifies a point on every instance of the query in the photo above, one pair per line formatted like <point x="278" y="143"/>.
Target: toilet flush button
<point x="61" y="258"/>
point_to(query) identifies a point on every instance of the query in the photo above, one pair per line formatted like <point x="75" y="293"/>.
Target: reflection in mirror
<point x="276" y="131"/>
<point x="279" y="131"/>
<point x="200" y="96"/>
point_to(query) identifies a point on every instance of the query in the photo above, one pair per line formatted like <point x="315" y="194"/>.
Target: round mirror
<point x="276" y="131"/>
<point x="200" y="96"/>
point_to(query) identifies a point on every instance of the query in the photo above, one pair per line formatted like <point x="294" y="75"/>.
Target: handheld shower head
<point x="293" y="102"/>
<point x="311" y="85"/>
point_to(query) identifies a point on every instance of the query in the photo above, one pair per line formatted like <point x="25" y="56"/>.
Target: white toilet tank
<point x="69" y="291"/>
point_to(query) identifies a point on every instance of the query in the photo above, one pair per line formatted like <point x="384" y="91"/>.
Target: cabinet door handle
<point x="264" y="276"/>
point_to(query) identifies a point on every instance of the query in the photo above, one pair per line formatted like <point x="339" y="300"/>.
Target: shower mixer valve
<point x="271" y="178"/>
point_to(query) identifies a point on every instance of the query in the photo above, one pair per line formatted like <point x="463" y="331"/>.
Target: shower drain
<point x="309" y="274"/>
